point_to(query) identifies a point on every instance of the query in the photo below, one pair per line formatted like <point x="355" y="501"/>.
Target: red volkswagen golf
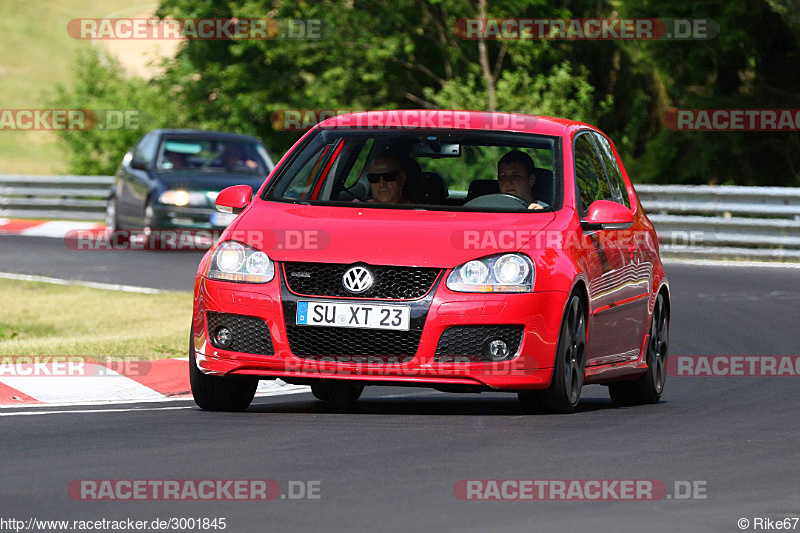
<point x="457" y="250"/>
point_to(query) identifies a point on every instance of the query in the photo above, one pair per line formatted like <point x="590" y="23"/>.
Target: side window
<point x="146" y="149"/>
<point x="302" y="185"/>
<point x="136" y="152"/>
<point x="618" y="188"/>
<point x="589" y="176"/>
<point x="359" y="167"/>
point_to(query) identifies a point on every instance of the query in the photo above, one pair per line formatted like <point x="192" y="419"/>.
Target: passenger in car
<point x="516" y="175"/>
<point x="174" y="161"/>
<point x="233" y="158"/>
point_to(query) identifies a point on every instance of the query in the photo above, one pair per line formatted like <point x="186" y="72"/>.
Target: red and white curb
<point x="90" y="236"/>
<point x="57" y="229"/>
<point x="164" y="380"/>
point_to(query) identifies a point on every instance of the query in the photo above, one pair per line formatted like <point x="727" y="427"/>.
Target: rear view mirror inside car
<point x="435" y="149"/>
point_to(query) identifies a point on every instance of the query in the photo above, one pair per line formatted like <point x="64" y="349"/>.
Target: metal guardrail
<point x="62" y="197"/>
<point x="725" y="222"/>
<point x="693" y="221"/>
<point x="720" y="200"/>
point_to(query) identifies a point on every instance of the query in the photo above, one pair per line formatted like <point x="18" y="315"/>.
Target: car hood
<point x="208" y="181"/>
<point x="327" y="234"/>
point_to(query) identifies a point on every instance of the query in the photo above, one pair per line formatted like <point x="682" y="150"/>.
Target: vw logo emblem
<point x="357" y="279"/>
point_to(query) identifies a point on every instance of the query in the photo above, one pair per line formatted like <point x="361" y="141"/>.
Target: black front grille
<point x="353" y="345"/>
<point x="390" y="282"/>
<point x="464" y="344"/>
<point x="249" y="334"/>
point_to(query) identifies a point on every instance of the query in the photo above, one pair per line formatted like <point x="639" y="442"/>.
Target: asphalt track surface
<point x="44" y="256"/>
<point x="392" y="463"/>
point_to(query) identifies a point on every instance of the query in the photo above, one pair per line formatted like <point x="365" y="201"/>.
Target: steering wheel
<point x="347" y="190"/>
<point x="498" y="201"/>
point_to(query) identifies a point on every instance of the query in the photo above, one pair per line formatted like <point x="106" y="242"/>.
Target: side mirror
<point x="607" y="215"/>
<point x="138" y="164"/>
<point x="234" y="199"/>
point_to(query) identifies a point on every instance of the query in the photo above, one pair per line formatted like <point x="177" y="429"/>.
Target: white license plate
<point x="347" y="315"/>
<point x="222" y="219"/>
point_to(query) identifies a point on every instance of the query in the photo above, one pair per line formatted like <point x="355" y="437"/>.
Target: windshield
<point x="462" y="170"/>
<point x="212" y="155"/>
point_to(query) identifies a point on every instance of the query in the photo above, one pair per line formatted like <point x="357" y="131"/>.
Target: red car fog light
<point x="495" y="350"/>
<point x="223" y="337"/>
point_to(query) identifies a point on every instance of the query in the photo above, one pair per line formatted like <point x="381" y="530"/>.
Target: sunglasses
<point x="375" y="177"/>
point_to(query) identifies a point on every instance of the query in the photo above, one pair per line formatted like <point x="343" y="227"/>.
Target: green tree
<point x="406" y="54"/>
<point x="752" y="64"/>
<point x="101" y="85"/>
<point x="380" y="55"/>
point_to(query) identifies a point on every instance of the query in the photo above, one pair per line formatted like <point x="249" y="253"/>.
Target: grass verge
<point x="45" y="319"/>
<point x="38" y="54"/>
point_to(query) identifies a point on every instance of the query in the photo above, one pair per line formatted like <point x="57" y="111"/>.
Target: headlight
<point x="511" y="270"/>
<point x="234" y="261"/>
<point x="497" y="273"/>
<point x="474" y="272"/>
<point x="181" y="198"/>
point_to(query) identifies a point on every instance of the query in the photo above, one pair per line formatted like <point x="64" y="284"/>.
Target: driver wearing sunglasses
<point x="386" y="179"/>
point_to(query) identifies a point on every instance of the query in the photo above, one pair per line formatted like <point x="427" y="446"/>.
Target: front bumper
<point x="539" y="313"/>
<point x="169" y="217"/>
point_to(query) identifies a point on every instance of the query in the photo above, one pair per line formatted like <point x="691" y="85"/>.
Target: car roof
<point x="407" y="119"/>
<point x="206" y="134"/>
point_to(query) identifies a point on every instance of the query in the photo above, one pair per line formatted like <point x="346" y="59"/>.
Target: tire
<point x="114" y="232"/>
<point x="151" y="242"/>
<point x="648" y="388"/>
<point x="569" y="370"/>
<point x="339" y="394"/>
<point x="215" y="393"/>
